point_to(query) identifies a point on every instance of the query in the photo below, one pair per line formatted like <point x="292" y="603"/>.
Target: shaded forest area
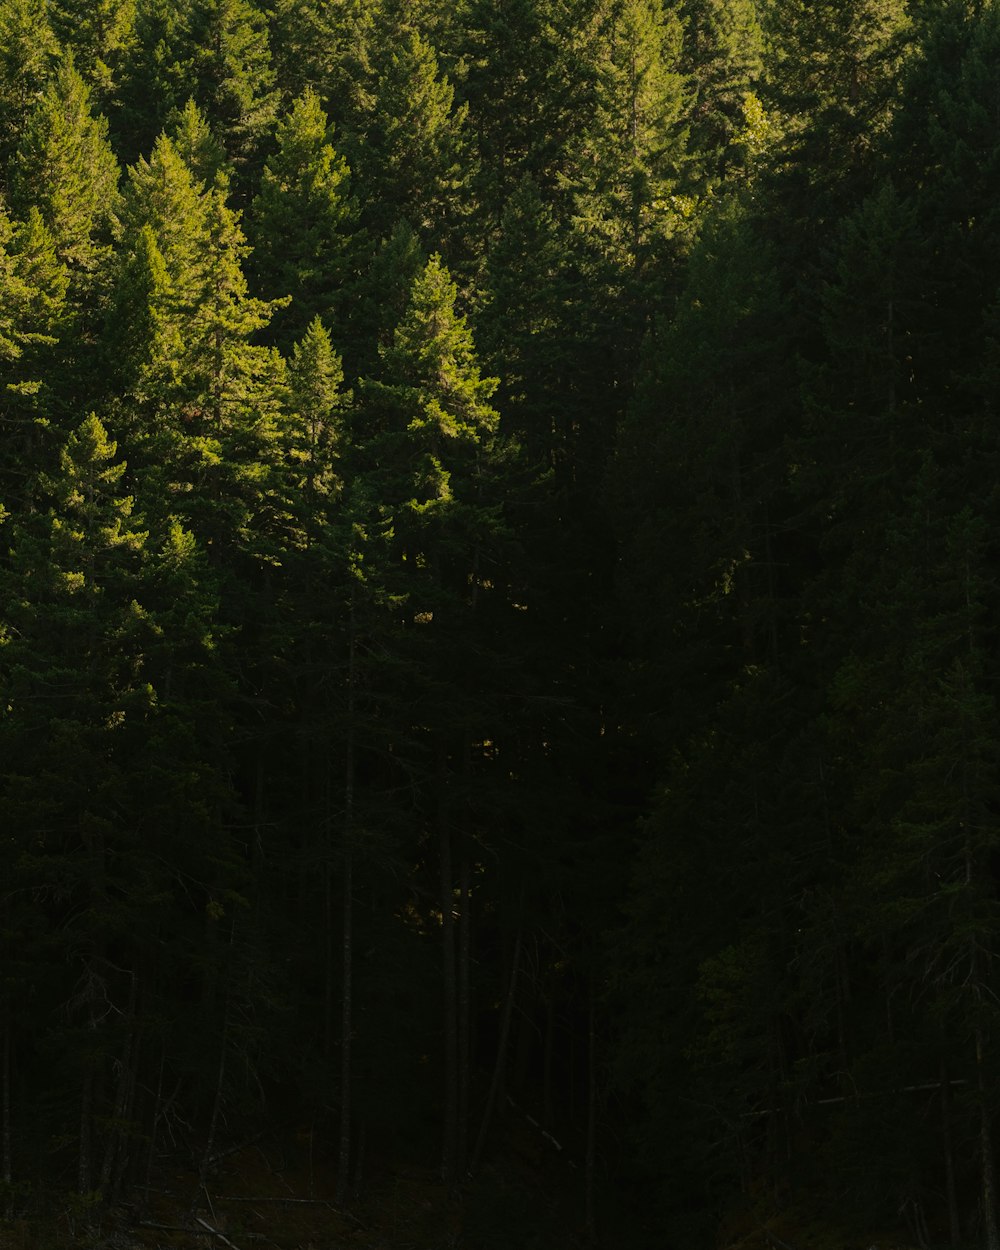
<point x="498" y="620"/>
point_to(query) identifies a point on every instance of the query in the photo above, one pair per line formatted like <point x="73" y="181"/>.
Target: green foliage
<point x="588" y="630"/>
<point x="28" y="52"/>
<point x="723" y="57"/>
<point x="65" y="168"/>
<point x="225" y="61"/>
<point x="415" y="159"/>
<point x="302" y="218"/>
<point x="99" y="33"/>
<point x="628" y="165"/>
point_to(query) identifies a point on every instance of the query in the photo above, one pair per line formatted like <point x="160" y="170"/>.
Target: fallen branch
<point x="841" y="1098"/>
<point x="207" y="1231"/>
<point x="306" y="1202"/>
<point x="215" y="1233"/>
<point x="776" y="1243"/>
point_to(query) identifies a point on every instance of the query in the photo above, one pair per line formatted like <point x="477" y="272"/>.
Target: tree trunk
<point x="7" y="1162"/>
<point x="954" y="1224"/>
<point x="986" y="1154"/>
<point x="496" y="1084"/>
<point x="346" y="1028"/>
<point x="590" y="1177"/>
<point x="83" y="1169"/>
<point x="464" y="989"/>
<point x="347" y="931"/>
<point x="115" y="1148"/>
<point x="450" y="991"/>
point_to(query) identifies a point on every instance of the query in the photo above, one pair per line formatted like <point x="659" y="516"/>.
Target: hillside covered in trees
<point x="499" y="607"/>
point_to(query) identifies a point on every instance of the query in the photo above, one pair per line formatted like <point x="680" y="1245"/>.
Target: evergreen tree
<point x="210" y="398"/>
<point x="197" y="147"/>
<point x="29" y="51"/>
<point x="723" y="59"/>
<point x="64" y="167"/>
<point x="414" y="160"/>
<point x="75" y="695"/>
<point x="152" y="83"/>
<point x="629" y="162"/>
<point x="33" y="285"/>
<point x="436" y="459"/>
<point x="302" y="216"/>
<point x="519" y="55"/>
<point x="834" y="74"/>
<point x="225" y="63"/>
<point x="317" y="399"/>
<point x="99" y="35"/>
<point x="325" y="48"/>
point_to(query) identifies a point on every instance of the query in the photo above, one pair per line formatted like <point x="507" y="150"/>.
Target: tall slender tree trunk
<point x="116" y="1147"/>
<point x="6" y="1136"/>
<point x="496" y="1084"/>
<point x="83" y="1167"/>
<point x="449" y="1147"/>
<point x="347" y="931"/>
<point x="220" y="1078"/>
<point x="987" y="1160"/>
<point x="954" y="1224"/>
<point x="464" y="1007"/>
<point x="590" y="1164"/>
<point x="155" y="1123"/>
<point x="548" y="1053"/>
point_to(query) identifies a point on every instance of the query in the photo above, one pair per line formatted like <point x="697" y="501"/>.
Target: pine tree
<point x="382" y="296"/>
<point x="317" y="399"/>
<point x="723" y="60"/>
<point x="414" y="160"/>
<point x="98" y="34"/>
<point x="325" y="48"/>
<point x="436" y="462"/>
<point x="630" y="159"/>
<point x="75" y="695"/>
<point x="197" y="147"/>
<point x="834" y="74"/>
<point x="29" y="51"/>
<point x="302" y="217"/>
<point x="64" y="167"/>
<point x="33" y="285"/>
<point x="225" y="63"/>
<point x="210" y="399"/>
<point x="517" y="56"/>
<point x="152" y="82"/>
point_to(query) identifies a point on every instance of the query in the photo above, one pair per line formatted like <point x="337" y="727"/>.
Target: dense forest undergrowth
<point x="498" y="623"/>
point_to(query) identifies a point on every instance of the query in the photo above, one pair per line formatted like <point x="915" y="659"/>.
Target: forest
<point x="500" y="624"/>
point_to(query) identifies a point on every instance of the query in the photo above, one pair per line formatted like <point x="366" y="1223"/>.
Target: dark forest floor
<point x="277" y="1191"/>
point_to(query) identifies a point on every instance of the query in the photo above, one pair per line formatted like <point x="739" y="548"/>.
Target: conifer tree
<point x="325" y="48"/>
<point x="29" y="51"/>
<point x="518" y="55"/>
<point x="383" y="294"/>
<point x="723" y="61"/>
<point x="225" y="61"/>
<point x="439" y="465"/>
<point x="211" y="396"/>
<point x="834" y="74"/>
<point x="301" y="218"/>
<point x="630" y="159"/>
<point x="197" y="147"/>
<point x="317" y="400"/>
<point x="151" y="83"/>
<point x="65" y="168"/>
<point x="414" y="160"/>
<point x="98" y="33"/>
<point x="33" y="285"/>
<point x="75" y="694"/>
